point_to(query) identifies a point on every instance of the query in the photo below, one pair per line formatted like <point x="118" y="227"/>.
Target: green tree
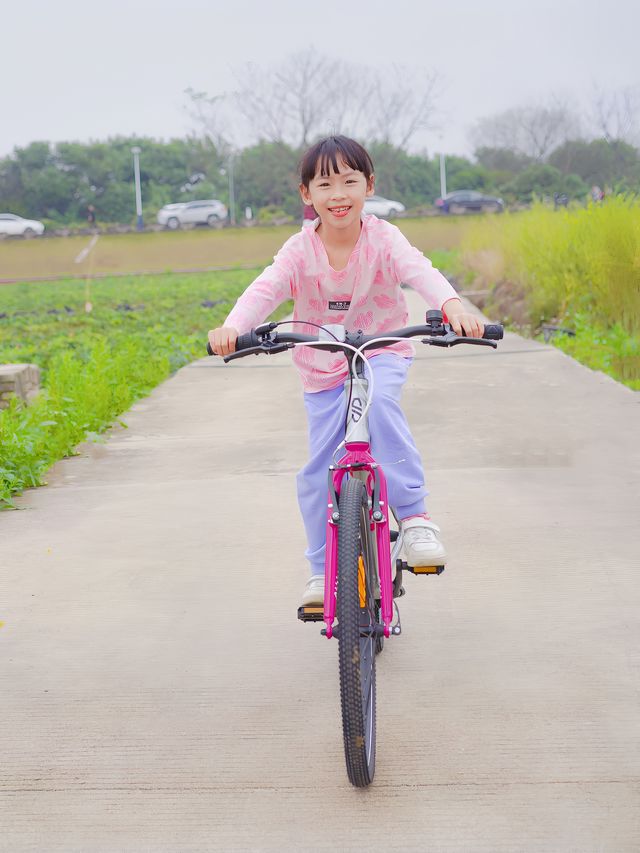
<point x="542" y="180"/>
<point x="266" y="175"/>
<point x="503" y="160"/>
<point x="600" y="162"/>
<point x="409" y="178"/>
<point x="462" y="174"/>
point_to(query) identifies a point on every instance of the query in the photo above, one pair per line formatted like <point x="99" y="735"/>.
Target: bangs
<point x="323" y="158"/>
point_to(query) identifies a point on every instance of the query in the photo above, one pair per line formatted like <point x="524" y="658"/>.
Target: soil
<point x="507" y="302"/>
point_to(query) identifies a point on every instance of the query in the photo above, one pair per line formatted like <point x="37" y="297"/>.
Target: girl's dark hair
<point x="325" y="154"/>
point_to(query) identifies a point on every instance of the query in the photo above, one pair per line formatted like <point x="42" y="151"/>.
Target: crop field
<point x="172" y="251"/>
<point x="142" y="327"/>
<point x="95" y="365"/>
<point x="579" y="270"/>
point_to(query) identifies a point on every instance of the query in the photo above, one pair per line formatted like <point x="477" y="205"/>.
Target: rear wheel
<point x="355" y="609"/>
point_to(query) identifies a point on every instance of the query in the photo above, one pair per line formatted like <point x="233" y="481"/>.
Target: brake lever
<point x="265" y="348"/>
<point x="241" y="353"/>
<point x="451" y="340"/>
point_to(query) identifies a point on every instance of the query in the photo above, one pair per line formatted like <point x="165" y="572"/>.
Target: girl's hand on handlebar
<point x="223" y="340"/>
<point x="462" y="322"/>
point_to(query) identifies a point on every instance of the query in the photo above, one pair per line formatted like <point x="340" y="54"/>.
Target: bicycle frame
<point x="358" y="462"/>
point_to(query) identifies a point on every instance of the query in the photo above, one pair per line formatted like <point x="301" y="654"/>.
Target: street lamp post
<point x="232" y="195"/>
<point x="443" y="177"/>
<point x="136" y="172"/>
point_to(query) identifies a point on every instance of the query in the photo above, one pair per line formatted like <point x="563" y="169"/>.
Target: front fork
<point x="366" y="469"/>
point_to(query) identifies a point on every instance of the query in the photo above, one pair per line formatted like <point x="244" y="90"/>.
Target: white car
<point x="209" y="212"/>
<point x="11" y="225"/>
<point x="383" y="206"/>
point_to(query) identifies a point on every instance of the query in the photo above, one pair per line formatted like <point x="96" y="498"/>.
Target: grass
<point x="95" y="365"/>
<point x="141" y="327"/>
<point x="196" y="249"/>
<point x="148" y="252"/>
<point x="574" y="268"/>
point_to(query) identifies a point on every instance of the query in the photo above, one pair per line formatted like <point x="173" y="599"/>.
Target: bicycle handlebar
<point x="264" y="339"/>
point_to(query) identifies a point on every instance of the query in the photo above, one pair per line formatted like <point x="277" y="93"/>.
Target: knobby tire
<point x="356" y="652"/>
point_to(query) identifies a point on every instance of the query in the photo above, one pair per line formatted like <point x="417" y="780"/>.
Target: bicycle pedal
<point x="311" y="613"/>
<point x="420" y="570"/>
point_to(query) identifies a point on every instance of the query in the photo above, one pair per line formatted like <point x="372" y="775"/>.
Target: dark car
<point x="469" y="201"/>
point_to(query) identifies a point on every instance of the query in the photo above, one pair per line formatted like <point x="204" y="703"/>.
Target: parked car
<point x="383" y="206"/>
<point x="209" y="212"/>
<point x="11" y="225"/>
<point x="467" y="201"/>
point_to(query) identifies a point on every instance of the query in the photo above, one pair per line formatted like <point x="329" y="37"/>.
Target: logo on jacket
<point x="342" y="305"/>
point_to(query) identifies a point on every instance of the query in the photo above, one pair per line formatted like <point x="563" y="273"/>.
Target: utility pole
<point x="136" y="172"/>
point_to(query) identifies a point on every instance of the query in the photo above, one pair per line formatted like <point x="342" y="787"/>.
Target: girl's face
<point x="339" y="197"/>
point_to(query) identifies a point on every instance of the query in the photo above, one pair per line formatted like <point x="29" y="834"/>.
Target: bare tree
<point x="211" y="114"/>
<point x="287" y="103"/>
<point x="348" y="111"/>
<point x="311" y="83"/>
<point x="308" y="95"/>
<point x="259" y="98"/>
<point x="616" y="115"/>
<point x="404" y="103"/>
<point x="533" y="130"/>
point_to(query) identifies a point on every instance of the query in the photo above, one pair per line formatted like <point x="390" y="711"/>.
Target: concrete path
<point x="157" y="693"/>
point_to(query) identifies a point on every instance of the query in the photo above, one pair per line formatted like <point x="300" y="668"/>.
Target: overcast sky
<point x="77" y="70"/>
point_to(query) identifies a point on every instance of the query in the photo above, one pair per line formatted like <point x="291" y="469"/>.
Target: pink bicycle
<point x="362" y="547"/>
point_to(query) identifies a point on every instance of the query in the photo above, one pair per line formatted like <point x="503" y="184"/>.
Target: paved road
<point x="158" y="694"/>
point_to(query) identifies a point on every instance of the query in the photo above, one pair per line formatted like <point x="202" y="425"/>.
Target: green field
<point x="574" y="269"/>
<point x="95" y="365"/>
<point x="196" y="249"/>
<point x="580" y="269"/>
<point x="141" y="327"/>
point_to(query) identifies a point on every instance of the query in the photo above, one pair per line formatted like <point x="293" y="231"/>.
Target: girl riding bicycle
<point x="348" y="270"/>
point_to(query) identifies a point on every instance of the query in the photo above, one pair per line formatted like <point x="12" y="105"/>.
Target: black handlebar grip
<point x="243" y="342"/>
<point x="493" y="332"/>
<point x="248" y="340"/>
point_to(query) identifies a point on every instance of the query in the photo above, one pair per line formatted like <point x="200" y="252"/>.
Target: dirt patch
<point x="507" y="303"/>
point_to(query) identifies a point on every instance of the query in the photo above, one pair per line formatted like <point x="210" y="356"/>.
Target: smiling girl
<point x="348" y="269"/>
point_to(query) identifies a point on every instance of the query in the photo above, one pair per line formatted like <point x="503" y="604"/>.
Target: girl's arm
<point x="411" y="267"/>
<point x="276" y="284"/>
<point x="272" y="287"/>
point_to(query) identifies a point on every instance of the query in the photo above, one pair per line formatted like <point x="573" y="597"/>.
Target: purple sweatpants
<point x="391" y="441"/>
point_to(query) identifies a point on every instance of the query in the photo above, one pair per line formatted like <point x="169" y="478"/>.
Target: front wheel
<point x="355" y="609"/>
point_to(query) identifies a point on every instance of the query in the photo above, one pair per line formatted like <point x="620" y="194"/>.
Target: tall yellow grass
<point x="567" y="261"/>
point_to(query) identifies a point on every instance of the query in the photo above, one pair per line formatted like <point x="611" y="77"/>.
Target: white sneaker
<point x="313" y="591"/>
<point x="421" y="544"/>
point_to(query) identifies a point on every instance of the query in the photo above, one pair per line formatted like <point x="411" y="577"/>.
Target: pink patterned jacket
<point x="365" y="295"/>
